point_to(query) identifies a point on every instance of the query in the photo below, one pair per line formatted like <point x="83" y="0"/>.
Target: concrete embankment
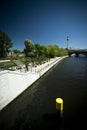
<point x="13" y="83"/>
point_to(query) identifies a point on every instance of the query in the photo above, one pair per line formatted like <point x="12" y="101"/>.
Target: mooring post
<point x="59" y="107"/>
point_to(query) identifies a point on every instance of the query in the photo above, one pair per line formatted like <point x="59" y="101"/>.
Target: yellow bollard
<point x="59" y="104"/>
<point x="59" y="107"/>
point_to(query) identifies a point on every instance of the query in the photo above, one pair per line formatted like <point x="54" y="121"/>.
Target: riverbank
<point x="13" y="83"/>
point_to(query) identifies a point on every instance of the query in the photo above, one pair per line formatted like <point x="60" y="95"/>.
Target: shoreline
<point x="22" y="80"/>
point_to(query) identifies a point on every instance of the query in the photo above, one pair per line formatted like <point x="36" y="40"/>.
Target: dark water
<point x="36" y="107"/>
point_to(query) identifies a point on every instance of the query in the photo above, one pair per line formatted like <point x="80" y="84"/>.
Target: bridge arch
<point x="77" y="52"/>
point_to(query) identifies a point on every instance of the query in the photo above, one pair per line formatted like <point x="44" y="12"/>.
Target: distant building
<point x="12" y="54"/>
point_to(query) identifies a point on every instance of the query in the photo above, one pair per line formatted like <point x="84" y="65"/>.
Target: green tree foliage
<point x="16" y="51"/>
<point x="52" y="51"/>
<point x="5" y="44"/>
<point x="63" y="52"/>
<point x="42" y="51"/>
<point x="28" y="47"/>
<point x="37" y="49"/>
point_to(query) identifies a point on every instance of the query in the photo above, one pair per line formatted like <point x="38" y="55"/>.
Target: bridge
<point x="77" y="52"/>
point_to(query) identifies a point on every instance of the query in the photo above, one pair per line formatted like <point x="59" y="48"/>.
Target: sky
<point x="45" y="22"/>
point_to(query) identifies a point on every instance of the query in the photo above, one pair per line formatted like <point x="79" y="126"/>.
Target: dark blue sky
<point x="45" y="22"/>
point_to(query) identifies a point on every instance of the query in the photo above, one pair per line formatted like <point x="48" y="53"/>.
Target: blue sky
<point x="45" y="22"/>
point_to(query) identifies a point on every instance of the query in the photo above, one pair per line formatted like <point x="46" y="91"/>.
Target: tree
<point x="28" y="50"/>
<point x="63" y="52"/>
<point x="28" y="47"/>
<point x="16" y="51"/>
<point x="5" y="44"/>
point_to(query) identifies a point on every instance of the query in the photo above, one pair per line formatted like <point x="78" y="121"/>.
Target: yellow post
<point x="59" y="104"/>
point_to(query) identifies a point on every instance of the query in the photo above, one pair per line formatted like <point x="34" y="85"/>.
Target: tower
<point x="67" y="42"/>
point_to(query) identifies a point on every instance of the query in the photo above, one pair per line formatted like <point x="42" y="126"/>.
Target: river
<point x="36" y="107"/>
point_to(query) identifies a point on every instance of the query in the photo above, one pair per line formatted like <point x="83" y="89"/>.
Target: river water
<point x="36" y="107"/>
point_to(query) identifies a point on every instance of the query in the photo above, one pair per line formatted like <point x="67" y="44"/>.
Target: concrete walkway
<point x="13" y="83"/>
